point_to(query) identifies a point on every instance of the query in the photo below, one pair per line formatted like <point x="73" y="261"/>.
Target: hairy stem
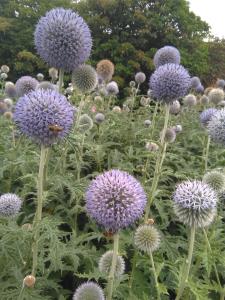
<point x="155" y="275"/>
<point x="38" y="215"/>
<point x="113" y="266"/>
<point x="187" y="266"/>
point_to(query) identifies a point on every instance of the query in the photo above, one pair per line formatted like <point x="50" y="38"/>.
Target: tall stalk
<point x="38" y="214"/>
<point x="206" y="156"/>
<point x="155" y="275"/>
<point x="61" y="75"/>
<point x="187" y="266"/>
<point x="159" y="162"/>
<point x="113" y="266"/>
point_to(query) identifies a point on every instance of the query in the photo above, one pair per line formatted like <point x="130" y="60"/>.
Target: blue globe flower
<point x="44" y="115"/>
<point x="216" y="127"/>
<point x="207" y="115"/>
<point x="63" y="39"/>
<point x="25" y="84"/>
<point x="166" y="55"/>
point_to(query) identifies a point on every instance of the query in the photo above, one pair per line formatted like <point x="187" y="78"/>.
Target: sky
<point x="211" y="11"/>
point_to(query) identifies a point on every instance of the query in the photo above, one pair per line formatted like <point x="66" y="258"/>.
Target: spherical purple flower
<point x="10" y="89"/>
<point x="206" y="116"/>
<point x="112" y="88"/>
<point x="216" y="127"/>
<point x="220" y="83"/>
<point x="166" y="55"/>
<point x="140" y="77"/>
<point x="44" y="115"/>
<point x="25" y="84"/>
<point x="199" y="89"/>
<point x="115" y="200"/>
<point x="63" y="39"/>
<point x="169" y="82"/>
<point x="10" y="205"/>
<point x="195" y="81"/>
<point x="89" y="291"/>
<point x="195" y="203"/>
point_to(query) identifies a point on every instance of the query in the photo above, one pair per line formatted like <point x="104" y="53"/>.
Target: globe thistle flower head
<point x="46" y="85"/>
<point x="216" y="95"/>
<point x="190" y="100"/>
<point x="216" y="127"/>
<point x="98" y="99"/>
<point x="116" y="109"/>
<point x="170" y="135"/>
<point x="106" y="261"/>
<point x="207" y="90"/>
<point x="5" y="69"/>
<point x="45" y="116"/>
<point x="8" y="102"/>
<point x="63" y="39"/>
<point x="10" y="205"/>
<point x="115" y="200"/>
<point x="220" y="83"/>
<point x="53" y="73"/>
<point x="10" y="89"/>
<point x="175" y="107"/>
<point x="40" y="77"/>
<point x="206" y="116"/>
<point x="85" y="123"/>
<point x="99" y="118"/>
<point x="105" y="69"/>
<point x="112" y="88"/>
<point x="132" y="84"/>
<point x="89" y="291"/>
<point x="3" y="107"/>
<point x="145" y="101"/>
<point x="25" y="85"/>
<point x="8" y="115"/>
<point x="85" y="78"/>
<point x="195" y="203"/>
<point x="3" y="76"/>
<point x="149" y="93"/>
<point x="140" y="77"/>
<point x="151" y="147"/>
<point x="195" y="82"/>
<point x="147" y="238"/>
<point x="199" y="89"/>
<point x="166" y="55"/>
<point x="204" y="100"/>
<point x="147" y="123"/>
<point x="178" y="128"/>
<point x="215" y="179"/>
<point x="169" y="82"/>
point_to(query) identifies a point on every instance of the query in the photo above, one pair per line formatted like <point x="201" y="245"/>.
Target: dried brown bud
<point x="29" y="281"/>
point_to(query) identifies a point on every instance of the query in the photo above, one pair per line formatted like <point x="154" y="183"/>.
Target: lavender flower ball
<point x="112" y="88"/>
<point x="10" y="205"/>
<point x="166" y="55"/>
<point x="195" y="82"/>
<point x="89" y="291"/>
<point x="220" y="83"/>
<point x="63" y="39"/>
<point x="206" y="116"/>
<point x="199" y="89"/>
<point x="216" y="127"/>
<point x="44" y="115"/>
<point x="10" y="89"/>
<point x="140" y="77"/>
<point x="169" y="82"/>
<point x="25" y="84"/>
<point x="195" y="203"/>
<point x="175" y="107"/>
<point x="115" y="200"/>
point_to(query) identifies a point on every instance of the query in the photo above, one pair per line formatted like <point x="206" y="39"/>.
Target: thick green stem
<point x="155" y="275"/>
<point x="113" y="267"/>
<point x="206" y="156"/>
<point x="159" y="163"/>
<point x="38" y="215"/>
<point x="187" y="266"/>
<point x="133" y="269"/>
<point x="61" y="75"/>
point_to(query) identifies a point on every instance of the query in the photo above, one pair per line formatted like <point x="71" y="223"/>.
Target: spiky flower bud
<point x="147" y="123"/>
<point x="216" y="95"/>
<point x="199" y="89"/>
<point x="29" y="281"/>
<point x="204" y="100"/>
<point x="178" y="128"/>
<point x="170" y="135"/>
<point x="140" y="77"/>
<point x="144" y="101"/>
<point x="40" y="77"/>
<point x="195" y="82"/>
<point x="221" y="103"/>
<point x="132" y="83"/>
<point x="98" y="99"/>
<point x="165" y="55"/>
<point x="46" y="85"/>
<point x="106" y="261"/>
<point x="175" y="107"/>
<point x="112" y="88"/>
<point x="85" y="123"/>
<point x="25" y="85"/>
<point x="215" y="179"/>
<point x="8" y="102"/>
<point x="195" y="203"/>
<point x="116" y="109"/>
<point x="10" y="89"/>
<point x="89" y="291"/>
<point x="3" y="76"/>
<point x="207" y="115"/>
<point x="105" y="69"/>
<point x="152" y="147"/>
<point x="147" y="238"/>
<point x="207" y="90"/>
<point x="53" y="73"/>
<point x="220" y="83"/>
<point x="85" y="78"/>
<point x="190" y="100"/>
<point x="5" y="69"/>
<point x="8" y="115"/>
<point x="10" y="205"/>
<point x="99" y="118"/>
<point x="216" y="127"/>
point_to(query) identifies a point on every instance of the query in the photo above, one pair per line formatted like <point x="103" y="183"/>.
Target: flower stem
<point x="38" y="215"/>
<point x="61" y="75"/>
<point x="155" y="275"/>
<point x="159" y="163"/>
<point x="154" y="119"/>
<point x="113" y="266"/>
<point x="187" y="266"/>
<point x="206" y="156"/>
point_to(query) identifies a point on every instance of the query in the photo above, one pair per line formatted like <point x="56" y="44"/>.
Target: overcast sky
<point x="213" y="12"/>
